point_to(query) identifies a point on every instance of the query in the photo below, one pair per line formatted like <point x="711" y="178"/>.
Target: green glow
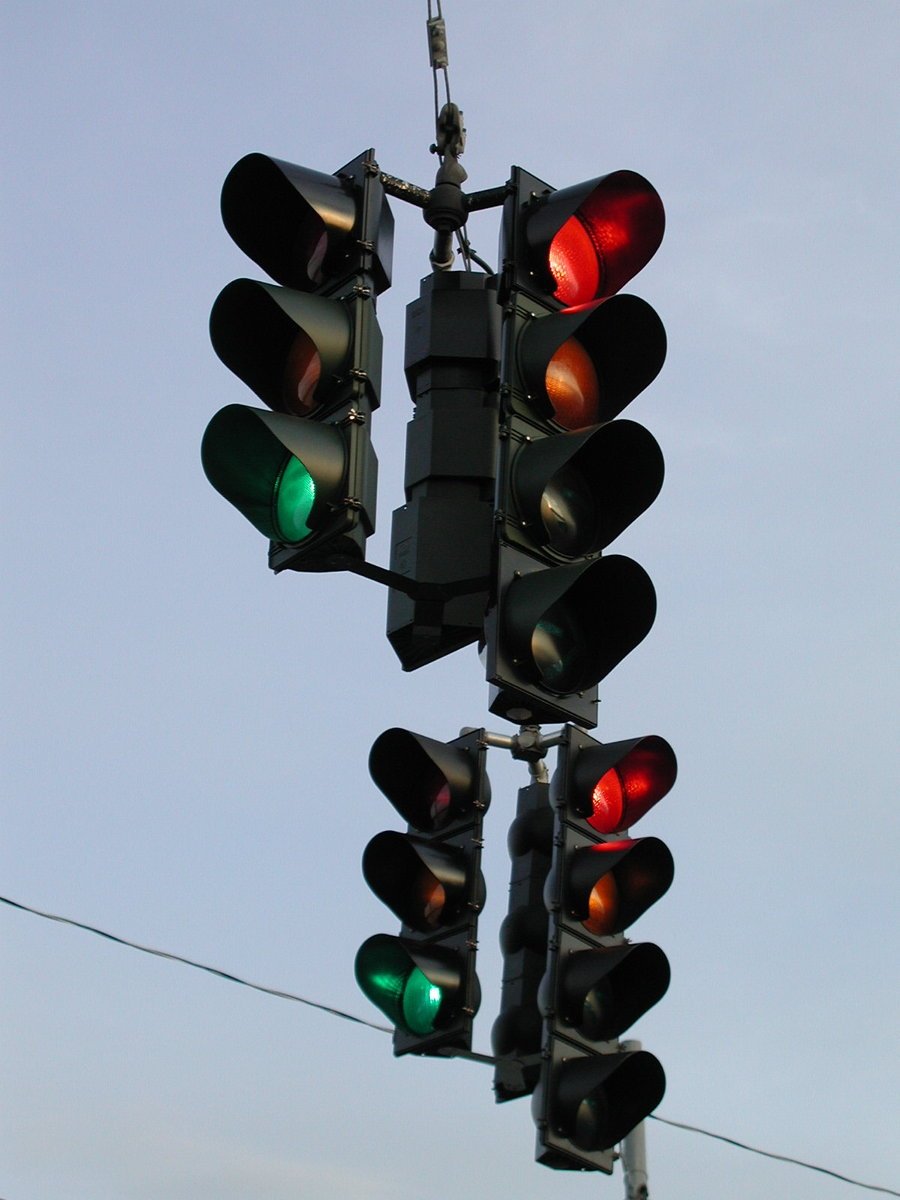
<point x="421" y="1002"/>
<point x="295" y="495"/>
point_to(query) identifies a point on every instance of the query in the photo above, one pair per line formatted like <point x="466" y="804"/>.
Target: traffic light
<point x="305" y="473"/>
<point x="516" y="1033"/>
<point x="424" y="980"/>
<point x="571" y="477"/>
<point x="443" y="534"/>
<point x="591" y="1092"/>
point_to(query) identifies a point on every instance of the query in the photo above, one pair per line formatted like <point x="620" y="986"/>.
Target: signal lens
<point x="591" y="1119"/>
<point x="603" y="907"/>
<point x="574" y="263"/>
<point x="573" y="387"/>
<point x="557" y="647"/>
<point x="608" y="803"/>
<point x="439" y="808"/>
<point x="432" y="896"/>
<point x="421" y="1003"/>
<point x="568" y="512"/>
<point x="302" y="370"/>
<point x="295" y="495"/>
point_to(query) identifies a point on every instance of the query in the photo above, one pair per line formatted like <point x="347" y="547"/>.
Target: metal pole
<point x="634" y="1153"/>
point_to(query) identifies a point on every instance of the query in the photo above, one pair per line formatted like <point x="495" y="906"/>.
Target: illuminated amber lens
<point x="608" y="802"/>
<point x="573" y="387"/>
<point x="433" y="898"/>
<point x="301" y="375"/>
<point x="603" y="906"/>
<point x="574" y="264"/>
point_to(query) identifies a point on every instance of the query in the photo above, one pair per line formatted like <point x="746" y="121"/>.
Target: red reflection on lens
<point x="440" y="805"/>
<point x="302" y="370"/>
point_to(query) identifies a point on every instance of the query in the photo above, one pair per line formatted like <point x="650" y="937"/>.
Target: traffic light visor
<point x="288" y="219"/>
<point x="598" y="1100"/>
<point x="576" y="492"/>
<point x="283" y="344"/>
<point x="417" y="990"/>
<point x="279" y="472"/>
<point x="431" y="784"/>
<point x="570" y="625"/>
<point x="583" y="365"/>
<point x="590" y="239"/>
<point x="612" y="792"/>
<point x="610" y="884"/>
<point x="426" y="885"/>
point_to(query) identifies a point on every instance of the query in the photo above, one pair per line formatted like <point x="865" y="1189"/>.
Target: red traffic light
<point x="588" y="240"/>
<point x="614" y="785"/>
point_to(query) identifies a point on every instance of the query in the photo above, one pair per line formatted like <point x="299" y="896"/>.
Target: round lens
<point x="569" y="513"/>
<point x="302" y="369"/>
<point x="432" y="897"/>
<point x="597" y="1010"/>
<point x="603" y="907"/>
<point x="574" y="264"/>
<point x="590" y="1122"/>
<point x="608" y="803"/>
<point x="573" y="387"/>
<point x="557" y="647"/>
<point x="421" y="1003"/>
<point x="295" y="495"/>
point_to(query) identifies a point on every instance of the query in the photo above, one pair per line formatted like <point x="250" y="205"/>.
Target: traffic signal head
<point x="597" y="984"/>
<point x="424" y="980"/>
<point x="305" y="475"/>
<point x="554" y="634"/>
<point x="571" y="478"/>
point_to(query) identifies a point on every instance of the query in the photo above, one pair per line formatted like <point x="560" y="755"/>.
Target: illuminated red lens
<point x="574" y="264"/>
<point x="608" y="803"/>
<point x="573" y="387"/>
<point x="302" y="370"/>
<point x="630" y="789"/>
<point x="624" y="220"/>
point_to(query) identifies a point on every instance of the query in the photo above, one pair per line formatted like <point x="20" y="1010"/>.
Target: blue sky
<point x="186" y="735"/>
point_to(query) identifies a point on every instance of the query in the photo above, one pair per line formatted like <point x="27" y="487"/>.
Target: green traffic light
<point x="283" y="473"/>
<point x="295" y="497"/>
<point x="412" y="988"/>
<point x="421" y="1001"/>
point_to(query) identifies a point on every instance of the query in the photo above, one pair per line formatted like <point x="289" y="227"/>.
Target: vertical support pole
<point x="634" y="1152"/>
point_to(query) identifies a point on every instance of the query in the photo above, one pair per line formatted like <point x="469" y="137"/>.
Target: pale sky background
<point x="186" y="735"/>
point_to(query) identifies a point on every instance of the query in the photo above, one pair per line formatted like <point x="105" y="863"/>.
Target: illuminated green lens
<point x="295" y="495"/>
<point x="421" y="1003"/>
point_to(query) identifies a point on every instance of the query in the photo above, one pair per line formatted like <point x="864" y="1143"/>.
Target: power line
<point x="337" y="1012"/>
<point x="189" y="962"/>
<point x="872" y="1187"/>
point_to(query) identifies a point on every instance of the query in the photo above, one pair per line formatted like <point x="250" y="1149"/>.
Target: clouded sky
<point x="186" y="735"/>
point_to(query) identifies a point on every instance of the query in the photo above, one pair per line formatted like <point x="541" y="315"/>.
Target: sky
<point x="186" y="735"/>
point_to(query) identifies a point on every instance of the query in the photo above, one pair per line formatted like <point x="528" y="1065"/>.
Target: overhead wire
<point x="337" y="1012"/>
